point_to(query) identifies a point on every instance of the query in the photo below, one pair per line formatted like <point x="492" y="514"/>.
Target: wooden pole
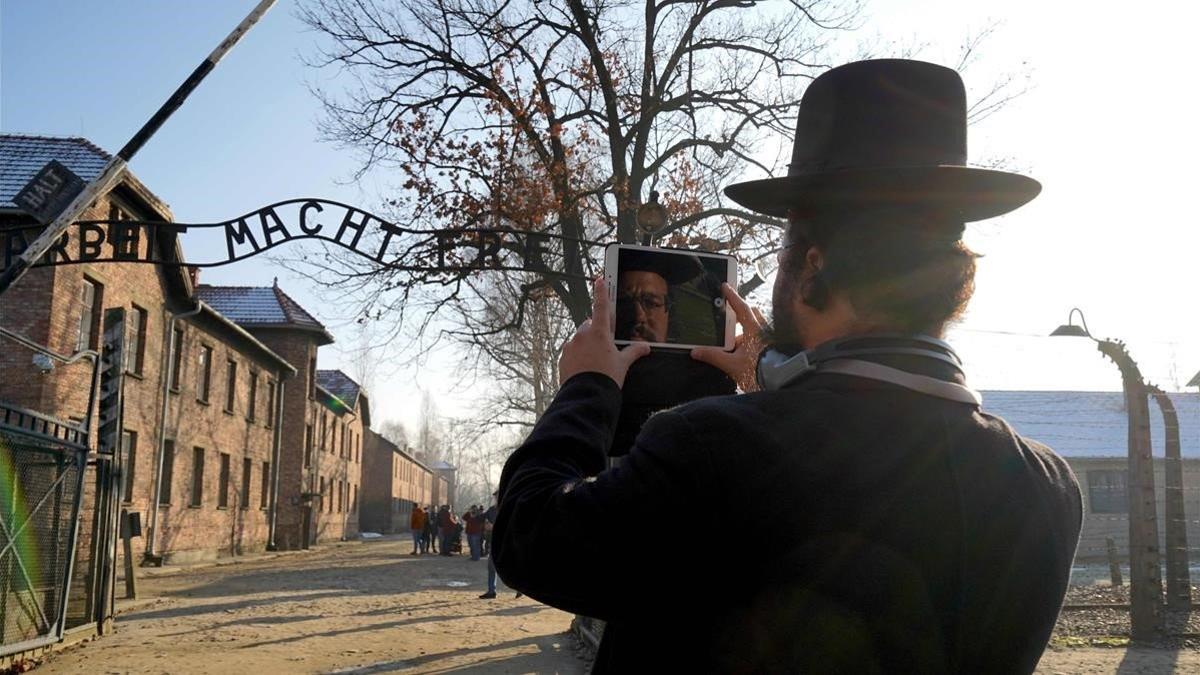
<point x="127" y="542"/>
<point x="1114" y="563"/>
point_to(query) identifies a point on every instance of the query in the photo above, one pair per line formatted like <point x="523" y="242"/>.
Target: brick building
<point x="231" y="434"/>
<point x="199" y="420"/>
<point x="1089" y="429"/>
<point x="341" y="412"/>
<point x="394" y="481"/>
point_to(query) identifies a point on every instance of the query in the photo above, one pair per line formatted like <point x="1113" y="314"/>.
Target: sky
<point x="1107" y="125"/>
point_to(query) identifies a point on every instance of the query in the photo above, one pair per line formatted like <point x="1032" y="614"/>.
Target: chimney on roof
<point x="275" y="283"/>
<point x="193" y="273"/>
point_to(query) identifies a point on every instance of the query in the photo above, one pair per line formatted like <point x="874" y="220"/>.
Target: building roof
<point x="332" y="401"/>
<point x="21" y="157"/>
<point x="1090" y="423"/>
<point x="404" y="452"/>
<point x="260" y="307"/>
<point x="439" y="465"/>
<point x="343" y="394"/>
<point x="340" y="385"/>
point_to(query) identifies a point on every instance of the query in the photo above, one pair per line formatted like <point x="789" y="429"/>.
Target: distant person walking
<point x="489" y="518"/>
<point x="473" y="520"/>
<point x="417" y="525"/>
<point x="429" y="532"/>
<point x="445" y="523"/>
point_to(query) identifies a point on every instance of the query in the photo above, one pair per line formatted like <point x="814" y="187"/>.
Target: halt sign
<point x="50" y="192"/>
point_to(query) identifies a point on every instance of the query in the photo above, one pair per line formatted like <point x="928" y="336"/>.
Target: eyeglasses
<point x="650" y="302"/>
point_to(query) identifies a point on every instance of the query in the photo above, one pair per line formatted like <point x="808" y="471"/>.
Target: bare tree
<point x="430" y="445"/>
<point x="395" y="431"/>
<point x="520" y="363"/>
<point x="555" y="118"/>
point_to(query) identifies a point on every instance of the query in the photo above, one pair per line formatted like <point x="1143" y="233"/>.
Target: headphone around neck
<point x="777" y="370"/>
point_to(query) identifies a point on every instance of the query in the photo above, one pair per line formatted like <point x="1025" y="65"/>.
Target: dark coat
<point x="890" y="531"/>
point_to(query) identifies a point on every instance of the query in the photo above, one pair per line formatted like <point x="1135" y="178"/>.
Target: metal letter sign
<point x="387" y="244"/>
<point x="50" y="191"/>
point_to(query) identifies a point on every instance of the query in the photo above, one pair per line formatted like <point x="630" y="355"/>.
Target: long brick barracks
<point x="235" y="441"/>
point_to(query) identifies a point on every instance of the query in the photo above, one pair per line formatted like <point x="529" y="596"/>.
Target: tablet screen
<point x="670" y="297"/>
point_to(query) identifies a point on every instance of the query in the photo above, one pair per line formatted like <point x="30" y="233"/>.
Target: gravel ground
<point x="1100" y="624"/>
<point x="1096" y="640"/>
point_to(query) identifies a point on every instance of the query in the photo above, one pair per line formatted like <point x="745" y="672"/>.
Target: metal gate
<point x="42" y="466"/>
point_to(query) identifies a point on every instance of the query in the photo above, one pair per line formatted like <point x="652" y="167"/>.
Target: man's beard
<point x="779" y="333"/>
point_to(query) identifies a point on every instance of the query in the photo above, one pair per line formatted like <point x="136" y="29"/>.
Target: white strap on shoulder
<point x="918" y="383"/>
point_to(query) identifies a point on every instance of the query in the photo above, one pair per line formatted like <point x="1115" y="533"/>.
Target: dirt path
<point x="354" y="609"/>
<point x="359" y="609"/>
<point x="1136" y="660"/>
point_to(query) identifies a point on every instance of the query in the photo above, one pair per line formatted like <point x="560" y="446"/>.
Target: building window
<point x="204" y="384"/>
<point x="321" y="503"/>
<point x="266" y="485"/>
<point x="129" y="450"/>
<point x="135" y="347"/>
<point x="168" y="473"/>
<point x="230" y="384"/>
<point x="312" y="378"/>
<point x="90" y="300"/>
<point x="223" y="482"/>
<point x="176" y="356"/>
<point x="308" y="445"/>
<point x="354" y="501"/>
<point x="247" y="465"/>
<point x="253" y="396"/>
<point x="324" y="435"/>
<point x="270" y="403"/>
<point x="197" y="476"/>
<point x="1107" y="491"/>
<point x="339" y="496"/>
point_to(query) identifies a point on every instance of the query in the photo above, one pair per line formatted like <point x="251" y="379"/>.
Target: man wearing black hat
<point x="910" y="530"/>
<point x="644" y="293"/>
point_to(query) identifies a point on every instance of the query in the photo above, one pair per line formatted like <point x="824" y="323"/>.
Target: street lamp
<point x="651" y="217"/>
<point x="1145" y="576"/>
<point x="759" y="278"/>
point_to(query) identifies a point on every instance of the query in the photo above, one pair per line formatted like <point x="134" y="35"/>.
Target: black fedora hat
<point x="675" y="269"/>
<point x="886" y="133"/>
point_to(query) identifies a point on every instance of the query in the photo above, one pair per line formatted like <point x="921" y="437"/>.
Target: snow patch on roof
<point x="257" y="305"/>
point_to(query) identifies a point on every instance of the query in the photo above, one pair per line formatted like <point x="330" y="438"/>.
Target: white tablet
<point x="668" y="297"/>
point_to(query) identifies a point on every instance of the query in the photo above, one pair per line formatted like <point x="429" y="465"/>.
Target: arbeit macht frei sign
<point x="351" y="228"/>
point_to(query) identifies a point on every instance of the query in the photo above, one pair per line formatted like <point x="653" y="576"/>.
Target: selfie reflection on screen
<point x="668" y="298"/>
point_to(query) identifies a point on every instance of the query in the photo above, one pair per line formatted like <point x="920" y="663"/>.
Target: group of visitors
<point x="435" y="530"/>
<point x="439" y="527"/>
